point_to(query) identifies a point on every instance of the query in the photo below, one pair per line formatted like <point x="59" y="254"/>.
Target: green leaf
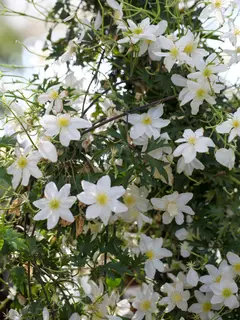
<point x="7" y="142"/>
<point x="113" y="282"/>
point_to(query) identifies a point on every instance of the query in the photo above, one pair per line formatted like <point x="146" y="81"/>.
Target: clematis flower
<point x="233" y="34"/>
<point x="24" y="167"/>
<point x="55" y="205"/>
<point x="137" y="203"/>
<point x="188" y="168"/>
<point x="118" y="13"/>
<point x="134" y="33"/>
<point x="173" y="206"/>
<point x="153" y="250"/>
<point x="224" y="292"/>
<point x="175" y="52"/>
<point x="224" y="271"/>
<point x="231" y="126"/>
<point x="145" y="303"/>
<point x="64" y="125"/>
<point x="102" y="199"/>
<point x="204" y="308"/>
<point x="177" y="297"/>
<point x="216" y="8"/>
<point x="234" y="260"/>
<point x="148" y="123"/>
<point x="196" y="92"/>
<point x="226" y="157"/>
<point x="55" y="98"/>
<point x="192" y="142"/>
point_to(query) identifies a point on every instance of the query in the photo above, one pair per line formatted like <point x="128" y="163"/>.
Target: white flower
<point x="182" y="234"/>
<point x="55" y="205"/>
<point x="208" y="69"/>
<point x="186" y="249"/>
<point x="145" y="303"/>
<point x="226" y="157"/>
<point x="64" y="125"/>
<point x="98" y="21"/>
<point x="75" y="316"/>
<point x="188" y="168"/>
<point x="193" y="142"/>
<point x="102" y="199"/>
<point x="175" y="52"/>
<point x="24" y="167"/>
<point x="192" y="277"/>
<point x="137" y="203"/>
<point x="234" y="33"/>
<point x="121" y="308"/>
<point x="152" y="248"/>
<point x="216" y="8"/>
<point x="173" y="206"/>
<point x="14" y="315"/>
<point x="45" y="314"/>
<point x="47" y="150"/>
<point x="150" y="45"/>
<point x="234" y="260"/>
<point x="196" y="92"/>
<point x="68" y="55"/>
<point x="55" y="98"/>
<point x="215" y="275"/>
<point x="12" y="291"/>
<point x="118" y="13"/>
<point x="234" y="54"/>
<point x="135" y="33"/>
<point x="191" y="47"/>
<point x="224" y="292"/>
<point x="177" y="297"/>
<point x="204" y="307"/>
<point x="148" y="123"/>
<point x="231" y="126"/>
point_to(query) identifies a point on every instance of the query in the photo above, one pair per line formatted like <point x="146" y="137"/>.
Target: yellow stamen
<point x="63" y="122"/>
<point x="174" y="52"/>
<point x="147" y="121"/>
<point x="200" y="93"/>
<point x="129" y="200"/>
<point x="176" y="297"/>
<point x="236" y="268"/>
<point x="54" y="204"/>
<point x="236" y="123"/>
<point x="102" y="199"/>
<point x="138" y="30"/>
<point x="189" y="48"/>
<point x="146" y="305"/>
<point x="22" y="162"/>
<point x="207" y="72"/>
<point x="226" y="293"/>
<point x="54" y="95"/>
<point x="150" y="254"/>
<point x="192" y="140"/>
<point x="206" y="306"/>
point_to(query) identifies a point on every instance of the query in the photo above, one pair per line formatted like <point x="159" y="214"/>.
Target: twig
<point x="146" y="106"/>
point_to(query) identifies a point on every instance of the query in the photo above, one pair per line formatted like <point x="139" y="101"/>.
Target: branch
<point x="146" y="106"/>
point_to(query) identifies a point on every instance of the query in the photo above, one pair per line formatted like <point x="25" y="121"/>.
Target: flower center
<point x="54" y="204"/>
<point x="146" y="305"/>
<point x="207" y="72"/>
<point x="206" y="306"/>
<point x="238" y="50"/>
<point x="129" y="200"/>
<point x="236" y="267"/>
<point x="117" y="15"/>
<point x="147" y="120"/>
<point x="176" y="297"/>
<point x="138" y="30"/>
<point x="22" y="162"/>
<point x="236" y="123"/>
<point x="54" y="95"/>
<point x="63" y="122"/>
<point x="172" y="209"/>
<point x="200" y="93"/>
<point x="226" y="293"/>
<point x="192" y="140"/>
<point x="218" y="279"/>
<point x="237" y="32"/>
<point x="189" y="48"/>
<point x="149" y="41"/>
<point x="174" y="52"/>
<point x="218" y="4"/>
<point x="102" y="199"/>
<point x="150" y="254"/>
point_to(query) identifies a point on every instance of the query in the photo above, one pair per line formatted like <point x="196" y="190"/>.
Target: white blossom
<point x="224" y="292"/>
<point x="232" y="126"/>
<point x="226" y="157"/>
<point x="55" y="205"/>
<point x="101" y="199"/>
<point x="65" y="125"/>
<point x="192" y="142"/>
<point x="177" y="297"/>
<point x="55" y="97"/>
<point x="173" y="205"/>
